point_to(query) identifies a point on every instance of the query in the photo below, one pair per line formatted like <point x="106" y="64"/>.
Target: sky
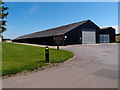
<point x="29" y="17"/>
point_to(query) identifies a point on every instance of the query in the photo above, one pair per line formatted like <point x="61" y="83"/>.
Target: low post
<point x="47" y="54"/>
<point x="58" y="46"/>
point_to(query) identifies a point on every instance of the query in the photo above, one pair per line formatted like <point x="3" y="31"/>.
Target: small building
<point x="107" y="35"/>
<point x="85" y="32"/>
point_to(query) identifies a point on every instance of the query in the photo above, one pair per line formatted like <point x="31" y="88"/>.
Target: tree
<point x="3" y="15"/>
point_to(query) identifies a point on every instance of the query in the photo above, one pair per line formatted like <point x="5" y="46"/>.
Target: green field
<point x="17" y="57"/>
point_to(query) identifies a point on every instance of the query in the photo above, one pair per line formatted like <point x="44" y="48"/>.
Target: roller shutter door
<point x="88" y="36"/>
<point x="104" y="38"/>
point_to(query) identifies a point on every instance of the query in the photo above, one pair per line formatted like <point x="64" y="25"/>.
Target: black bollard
<point x="58" y="46"/>
<point x="47" y="54"/>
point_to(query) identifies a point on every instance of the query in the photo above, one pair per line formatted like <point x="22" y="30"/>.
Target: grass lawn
<point x="17" y="57"/>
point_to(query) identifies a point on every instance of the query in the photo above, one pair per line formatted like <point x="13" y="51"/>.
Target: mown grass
<point x="17" y="57"/>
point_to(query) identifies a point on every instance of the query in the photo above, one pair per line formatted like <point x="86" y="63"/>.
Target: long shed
<point x="84" y="32"/>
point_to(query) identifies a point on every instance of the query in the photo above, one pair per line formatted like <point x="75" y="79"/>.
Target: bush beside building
<point x="118" y="38"/>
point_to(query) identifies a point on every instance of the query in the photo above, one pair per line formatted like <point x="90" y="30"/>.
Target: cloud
<point x="34" y="9"/>
<point x="25" y="17"/>
<point x="116" y="27"/>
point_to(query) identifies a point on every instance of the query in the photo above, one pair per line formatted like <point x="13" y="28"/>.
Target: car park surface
<point x="93" y="66"/>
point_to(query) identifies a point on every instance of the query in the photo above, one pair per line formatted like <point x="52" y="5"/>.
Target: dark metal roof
<point x="106" y="28"/>
<point x="52" y="32"/>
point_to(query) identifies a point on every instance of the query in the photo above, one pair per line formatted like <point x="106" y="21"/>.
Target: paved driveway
<point x="94" y="66"/>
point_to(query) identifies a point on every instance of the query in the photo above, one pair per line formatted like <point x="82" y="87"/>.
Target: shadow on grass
<point x="41" y="61"/>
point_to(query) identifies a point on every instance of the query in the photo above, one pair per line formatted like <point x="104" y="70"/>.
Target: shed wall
<point x="75" y="36"/>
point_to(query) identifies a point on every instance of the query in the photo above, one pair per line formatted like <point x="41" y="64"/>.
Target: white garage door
<point x="104" y="38"/>
<point x="88" y="36"/>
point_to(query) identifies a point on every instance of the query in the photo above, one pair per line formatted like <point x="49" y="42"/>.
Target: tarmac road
<point x="94" y="66"/>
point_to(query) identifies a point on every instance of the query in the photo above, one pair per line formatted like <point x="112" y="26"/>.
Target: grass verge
<point x="17" y="58"/>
